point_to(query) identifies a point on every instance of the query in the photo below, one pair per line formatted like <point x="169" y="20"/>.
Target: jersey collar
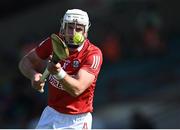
<point x="80" y="48"/>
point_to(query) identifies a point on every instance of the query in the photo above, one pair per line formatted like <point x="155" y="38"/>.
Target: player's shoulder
<point x="45" y="40"/>
<point x="93" y="48"/>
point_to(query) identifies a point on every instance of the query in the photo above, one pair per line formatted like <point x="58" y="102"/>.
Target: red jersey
<point x="88" y="58"/>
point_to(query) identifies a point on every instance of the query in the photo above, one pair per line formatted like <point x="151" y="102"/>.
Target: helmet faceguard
<point x="78" y="18"/>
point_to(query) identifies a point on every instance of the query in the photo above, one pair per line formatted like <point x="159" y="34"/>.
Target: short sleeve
<point x="44" y="49"/>
<point x="93" y="63"/>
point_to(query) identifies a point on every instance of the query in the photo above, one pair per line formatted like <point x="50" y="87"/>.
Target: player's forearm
<point x="26" y="68"/>
<point x="72" y="85"/>
<point x="75" y="85"/>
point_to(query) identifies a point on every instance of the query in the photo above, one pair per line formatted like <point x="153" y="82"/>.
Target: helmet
<point x="76" y="15"/>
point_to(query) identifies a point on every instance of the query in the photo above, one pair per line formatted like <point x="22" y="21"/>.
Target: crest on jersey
<point x="75" y="64"/>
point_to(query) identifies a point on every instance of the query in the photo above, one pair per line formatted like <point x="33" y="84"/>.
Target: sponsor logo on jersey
<point x="54" y="82"/>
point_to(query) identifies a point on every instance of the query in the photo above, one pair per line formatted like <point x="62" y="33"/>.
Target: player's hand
<point x="36" y="82"/>
<point x="54" y="68"/>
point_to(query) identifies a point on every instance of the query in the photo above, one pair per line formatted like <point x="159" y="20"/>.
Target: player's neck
<point x="73" y="50"/>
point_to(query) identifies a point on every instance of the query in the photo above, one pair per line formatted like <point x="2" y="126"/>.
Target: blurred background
<point x="139" y="84"/>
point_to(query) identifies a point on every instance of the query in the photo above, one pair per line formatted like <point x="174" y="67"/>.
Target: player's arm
<point x="30" y="66"/>
<point x="78" y="84"/>
<point x="74" y="85"/>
